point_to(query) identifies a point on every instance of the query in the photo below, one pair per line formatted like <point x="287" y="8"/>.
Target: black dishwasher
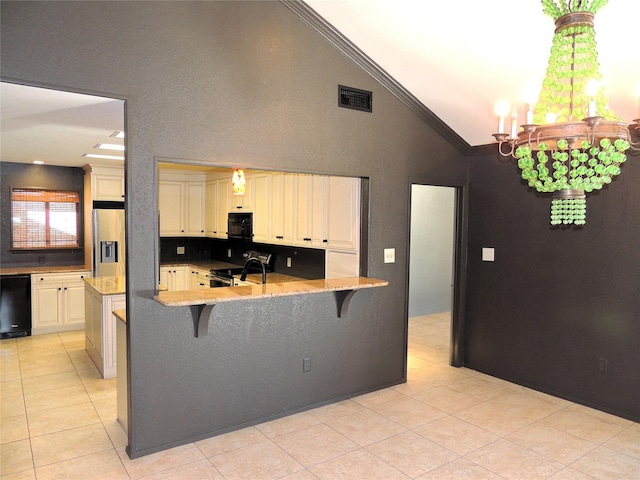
<point x="15" y="306"/>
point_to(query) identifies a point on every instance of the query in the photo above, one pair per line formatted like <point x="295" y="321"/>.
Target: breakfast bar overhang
<point x="202" y="301"/>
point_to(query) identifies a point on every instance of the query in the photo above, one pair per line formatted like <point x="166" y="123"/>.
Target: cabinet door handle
<point x="59" y="288"/>
<point x="325" y="241"/>
<point x="279" y="237"/>
<point x="65" y="288"/>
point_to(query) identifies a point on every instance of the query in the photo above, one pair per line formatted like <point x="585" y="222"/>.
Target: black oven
<point x="240" y="226"/>
<point x="224" y="277"/>
<point x="219" y="279"/>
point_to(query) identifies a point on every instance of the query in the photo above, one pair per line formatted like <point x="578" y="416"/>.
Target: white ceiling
<point x="457" y="63"/>
<point x="56" y="127"/>
<point x="458" y="58"/>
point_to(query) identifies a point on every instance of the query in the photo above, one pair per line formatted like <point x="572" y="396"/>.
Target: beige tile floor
<point x="59" y="422"/>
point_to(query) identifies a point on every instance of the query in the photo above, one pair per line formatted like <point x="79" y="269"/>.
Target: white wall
<point x="431" y="255"/>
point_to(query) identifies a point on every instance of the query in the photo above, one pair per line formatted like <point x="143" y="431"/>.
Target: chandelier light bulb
<point x="501" y="109"/>
<point x="530" y="95"/>
<point x="514" y="123"/>
<point x="593" y="86"/>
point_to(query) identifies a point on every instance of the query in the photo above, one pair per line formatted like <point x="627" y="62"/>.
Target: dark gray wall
<point x="237" y="84"/>
<point x="20" y="175"/>
<point x="556" y="299"/>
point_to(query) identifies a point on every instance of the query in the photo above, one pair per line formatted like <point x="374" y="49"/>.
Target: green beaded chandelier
<point x="572" y="143"/>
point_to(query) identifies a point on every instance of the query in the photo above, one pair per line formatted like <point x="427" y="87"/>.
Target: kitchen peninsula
<point x="205" y="300"/>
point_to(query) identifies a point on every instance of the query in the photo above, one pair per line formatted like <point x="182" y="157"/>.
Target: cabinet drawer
<point x="44" y="278"/>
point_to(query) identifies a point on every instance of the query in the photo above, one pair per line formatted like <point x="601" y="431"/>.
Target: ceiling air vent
<point x="354" y="98"/>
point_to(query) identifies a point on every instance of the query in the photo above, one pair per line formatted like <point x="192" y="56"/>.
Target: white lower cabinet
<point x="199" y="278"/>
<point x="57" y="302"/>
<point x="175" y="277"/>
<point x="100" y="329"/>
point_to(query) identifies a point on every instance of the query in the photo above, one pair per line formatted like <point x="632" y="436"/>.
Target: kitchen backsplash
<point x="305" y="262"/>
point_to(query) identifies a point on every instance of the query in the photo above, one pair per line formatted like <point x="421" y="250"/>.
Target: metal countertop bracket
<point x="343" y="297"/>
<point x="201" y="315"/>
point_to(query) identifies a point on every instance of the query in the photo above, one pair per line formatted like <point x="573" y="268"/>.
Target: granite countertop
<point x="121" y="315"/>
<point x="211" y="296"/>
<point x="272" y="277"/>
<point x="43" y="269"/>
<point x="108" y="285"/>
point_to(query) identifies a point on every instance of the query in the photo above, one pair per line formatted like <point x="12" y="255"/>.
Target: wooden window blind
<point x="44" y="219"/>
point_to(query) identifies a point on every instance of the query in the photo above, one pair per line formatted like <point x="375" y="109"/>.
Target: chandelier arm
<point x="635" y="146"/>
<point x="508" y="153"/>
<point x="593" y="136"/>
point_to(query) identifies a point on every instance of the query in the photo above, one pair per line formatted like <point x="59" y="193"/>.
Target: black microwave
<point x="240" y="226"/>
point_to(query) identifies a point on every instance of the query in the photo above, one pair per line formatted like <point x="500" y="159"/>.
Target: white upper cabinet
<point x="171" y="207"/>
<point x="343" y="218"/>
<point x="311" y="218"/>
<point x="223" y="205"/>
<point x="260" y="188"/>
<point x="283" y="208"/>
<point x="211" y="212"/>
<point x="107" y="183"/>
<point x="181" y="203"/>
<point x="195" y="207"/>
<point x="218" y="200"/>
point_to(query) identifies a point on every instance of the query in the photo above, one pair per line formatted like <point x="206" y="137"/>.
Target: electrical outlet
<point x="602" y="365"/>
<point x="488" y="254"/>
<point x="389" y="255"/>
<point x="306" y="364"/>
<point x="180" y="251"/>
<point x="229" y="253"/>
<point x="41" y="260"/>
<point x="289" y="262"/>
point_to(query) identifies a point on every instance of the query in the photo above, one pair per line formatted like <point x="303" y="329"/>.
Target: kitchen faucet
<point x="246" y="264"/>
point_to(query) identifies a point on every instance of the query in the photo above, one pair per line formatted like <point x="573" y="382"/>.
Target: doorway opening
<point x="435" y="275"/>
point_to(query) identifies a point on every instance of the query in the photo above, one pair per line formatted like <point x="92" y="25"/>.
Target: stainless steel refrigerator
<point x="108" y="239"/>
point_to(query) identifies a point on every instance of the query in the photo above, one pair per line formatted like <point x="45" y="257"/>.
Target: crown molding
<point x="351" y="51"/>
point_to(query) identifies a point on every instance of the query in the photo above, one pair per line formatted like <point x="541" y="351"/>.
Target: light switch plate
<point x="180" y="251"/>
<point x="488" y="254"/>
<point x="389" y="255"/>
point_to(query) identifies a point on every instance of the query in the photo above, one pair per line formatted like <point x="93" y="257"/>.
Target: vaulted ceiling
<point x="458" y="58"/>
<point x="454" y="58"/>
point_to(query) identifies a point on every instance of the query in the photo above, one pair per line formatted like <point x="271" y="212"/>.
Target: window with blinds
<point x="44" y="219"/>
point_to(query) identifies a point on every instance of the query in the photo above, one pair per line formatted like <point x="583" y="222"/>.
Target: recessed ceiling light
<point x="110" y="146"/>
<point x="105" y="157"/>
<point x="38" y="162"/>
<point x="117" y="134"/>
